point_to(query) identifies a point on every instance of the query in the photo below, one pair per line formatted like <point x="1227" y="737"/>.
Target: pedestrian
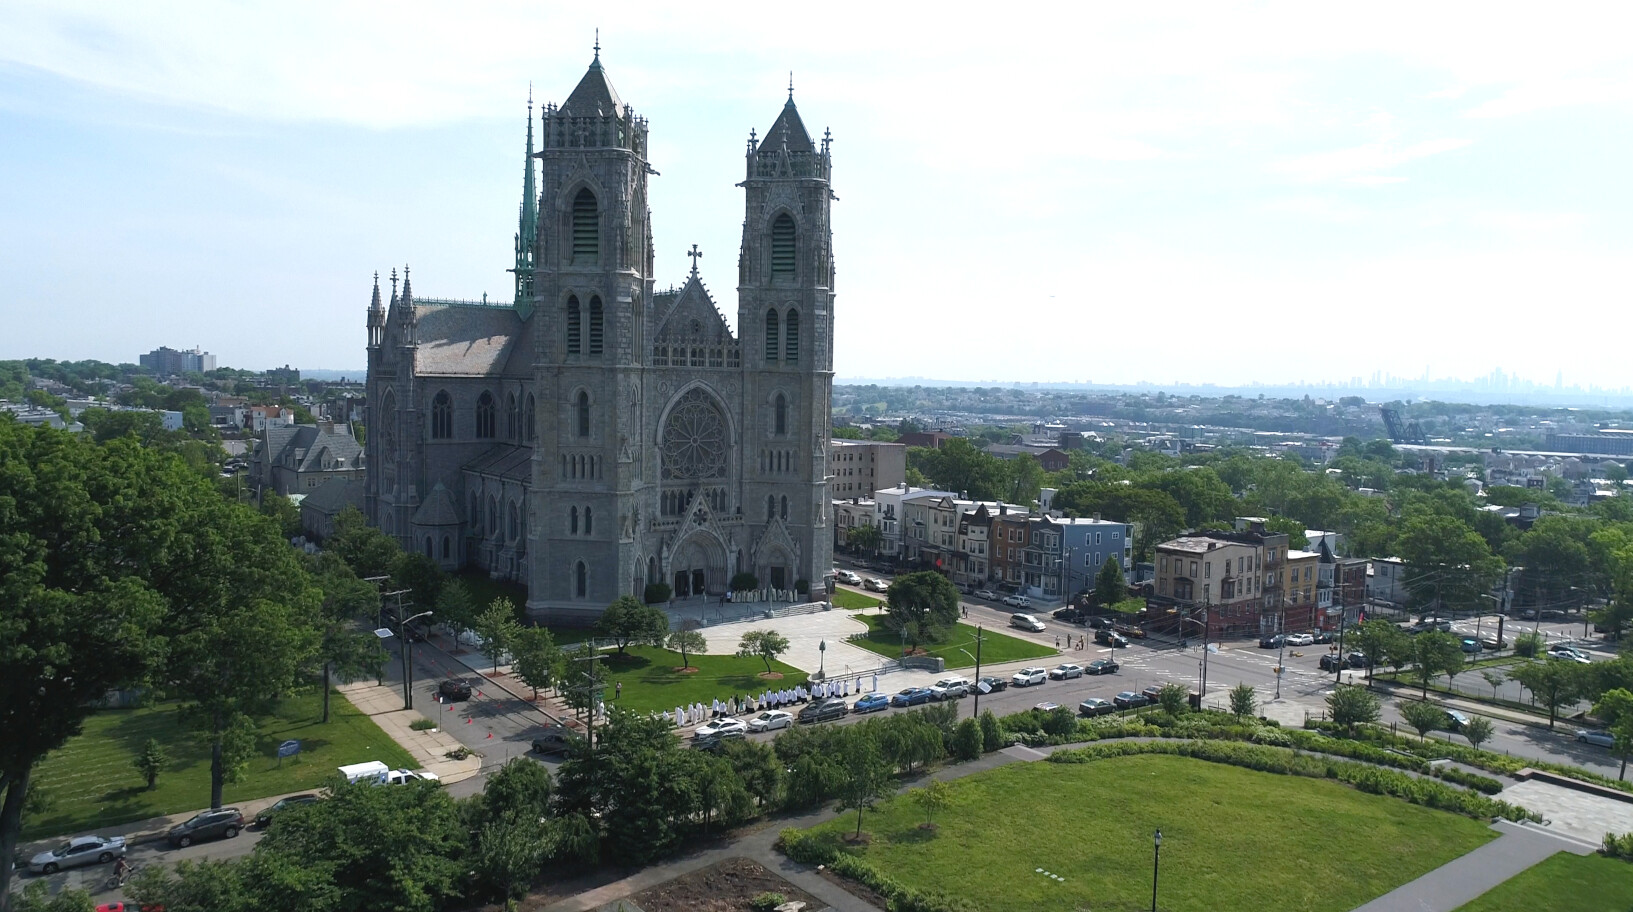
<point x="966" y="609"/>
<point x="618" y="690"/>
<point x="1057" y="641"/>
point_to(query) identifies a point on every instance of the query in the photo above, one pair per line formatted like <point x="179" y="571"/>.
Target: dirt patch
<point x="770" y="675"/>
<point x="858" y="890"/>
<point x="858" y="840"/>
<point x="725" y="886"/>
<point x="688" y="670"/>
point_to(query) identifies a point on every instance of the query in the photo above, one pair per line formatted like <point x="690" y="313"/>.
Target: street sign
<point x="289" y="749"/>
<point x="984" y="687"/>
<point x="383" y="633"/>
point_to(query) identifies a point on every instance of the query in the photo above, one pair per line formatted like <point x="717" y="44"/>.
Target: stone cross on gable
<point x="696" y="255"/>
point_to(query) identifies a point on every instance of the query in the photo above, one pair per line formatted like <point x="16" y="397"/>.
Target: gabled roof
<point x="594" y="94"/>
<point x="506" y="461"/>
<point x="334" y="495"/>
<point x="693" y="314"/>
<point x="437" y="509"/>
<point x="459" y="340"/>
<point x="798" y="139"/>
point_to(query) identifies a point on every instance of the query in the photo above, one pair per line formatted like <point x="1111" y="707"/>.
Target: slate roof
<point x="302" y="447"/>
<point x="594" y="94"/>
<point x="512" y="463"/>
<point x="798" y="139"/>
<point x="335" y="495"/>
<point x="437" y="509"/>
<point x="693" y="304"/>
<point x="458" y="340"/>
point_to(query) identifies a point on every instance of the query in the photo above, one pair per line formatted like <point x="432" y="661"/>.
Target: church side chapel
<point x="595" y="435"/>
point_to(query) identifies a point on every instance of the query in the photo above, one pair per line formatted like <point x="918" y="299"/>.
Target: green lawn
<point x="1233" y="839"/>
<point x="853" y="601"/>
<point x="995" y="647"/>
<point x="652" y="683"/>
<point x="90" y="782"/>
<point x="1590" y="883"/>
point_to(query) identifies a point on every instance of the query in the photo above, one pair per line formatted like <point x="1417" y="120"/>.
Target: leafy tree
<point x="922" y="606"/>
<point x="934" y="796"/>
<point x="344" y="648"/>
<point x="755" y="765"/>
<point x="1615" y="710"/>
<point x="1478" y="730"/>
<point x="1555" y="683"/>
<point x="1174" y="699"/>
<point x="628" y="622"/>
<point x="1292" y="528"/>
<point x="866" y="537"/>
<point x="637" y="780"/>
<point x="367" y="550"/>
<point x="455" y="608"/>
<point x="656" y="593"/>
<point x="766" y="644"/>
<point x="864" y="774"/>
<point x="420" y="575"/>
<point x="37" y="897"/>
<point x="1528" y="645"/>
<point x="536" y="657"/>
<point x="498" y="628"/>
<point x="967" y="741"/>
<point x="151" y="762"/>
<point x="1423" y="716"/>
<point x="1435" y="653"/>
<point x="1243" y="701"/>
<point x="507" y="855"/>
<point x="687" y="642"/>
<point x="1449" y="563"/>
<point x="1376" y="640"/>
<point x="745" y="581"/>
<point x="1351" y="706"/>
<point x="1109" y="585"/>
<point x="992" y="733"/>
<point x="1495" y="679"/>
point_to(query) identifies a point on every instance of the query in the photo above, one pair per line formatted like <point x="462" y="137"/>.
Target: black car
<point x="281" y="805"/>
<point x="1323" y="637"/>
<point x="1105" y="636"/>
<point x="1128" y="699"/>
<point x="1332" y="661"/>
<point x="1094" y="706"/>
<point x="1358" y="659"/>
<point x="220" y="823"/>
<point x="1071" y="614"/>
<point x="821" y="710"/>
<point x="993" y="685"/>
<point x="1270" y="642"/>
<point x="454" y="689"/>
<point x="1099" y="621"/>
<point x="1101" y="666"/>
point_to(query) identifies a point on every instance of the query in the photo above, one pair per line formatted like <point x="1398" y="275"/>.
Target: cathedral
<point x="596" y="435"/>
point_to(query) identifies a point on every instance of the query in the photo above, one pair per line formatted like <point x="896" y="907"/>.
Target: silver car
<point x="81" y="850"/>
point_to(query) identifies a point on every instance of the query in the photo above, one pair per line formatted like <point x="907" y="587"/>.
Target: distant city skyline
<point x="1203" y="194"/>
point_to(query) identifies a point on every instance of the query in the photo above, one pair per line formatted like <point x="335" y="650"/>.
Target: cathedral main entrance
<point x="698" y="567"/>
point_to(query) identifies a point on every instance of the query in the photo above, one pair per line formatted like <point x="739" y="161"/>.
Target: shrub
<point x="1618" y="846"/>
<point x="967" y="741"/>
<point x="1059" y="721"/>
<point x="992" y="734"/>
<point x="744" y="581"/>
<point x="765" y="902"/>
<point x="1174" y="699"/>
<point x="420" y="725"/>
<point x="656" y="593"/>
<point x="802" y="585"/>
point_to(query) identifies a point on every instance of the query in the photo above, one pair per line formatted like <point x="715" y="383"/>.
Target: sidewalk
<point x="1461" y="880"/>
<point x="1464" y="704"/>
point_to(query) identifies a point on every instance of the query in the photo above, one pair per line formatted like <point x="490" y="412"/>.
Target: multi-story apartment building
<point x="1008" y="539"/>
<point x="857" y="468"/>
<point x="850" y="514"/>
<point x="1299" y="604"/>
<point x="1089" y="543"/>
<point x="1216" y="578"/>
<point x="973" y="560"/>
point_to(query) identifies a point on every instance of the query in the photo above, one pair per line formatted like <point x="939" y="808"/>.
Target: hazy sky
<point x="1221" y="193"/>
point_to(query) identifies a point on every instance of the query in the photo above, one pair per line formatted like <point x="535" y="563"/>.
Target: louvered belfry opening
<point x="771" y="335"/>
<point x="596" y="330"/>
<point x="782" y="246"/>
<point x="791" y="338"/>
<point x="574" y="329"/>
<point x="586" y="230"/>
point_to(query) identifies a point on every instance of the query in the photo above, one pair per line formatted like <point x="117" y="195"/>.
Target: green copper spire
<point x="527" y="229"/>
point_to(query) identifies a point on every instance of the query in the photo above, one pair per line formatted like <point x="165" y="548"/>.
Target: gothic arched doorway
<point x="698" y="566"/>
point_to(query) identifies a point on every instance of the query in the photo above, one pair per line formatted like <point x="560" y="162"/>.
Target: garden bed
<point x="725" y="886"/>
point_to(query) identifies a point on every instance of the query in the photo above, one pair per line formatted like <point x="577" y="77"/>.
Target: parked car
<point x="1027" y="677"/>
<point x="1300" y="639"/>
<point x="220" y="823"/>
<point x="1357" y="659"/>
<point x="1152" y="692"/>
<point x="948" y="688"/>
<point x="555" y="739"/>
<point x="281" y="805"/>
<point x="406" y="776"/>
<point x="454" y="689"/>
<point x="1102" y="667"/>
<point x="1270" y="642"/>
<point x="1071" y="614"/>
<point x="1471" y="645"/>
<point x="848" y="577"/>
<point x="1323" y="637"/>
<point x="872" y="702"/>
<point x="1026" y="622"/>
<point x="721" y="728"/>
<point x="1094" y="706"/>
<point x="1456" y="720"/>
<point x="822" y="710"/>
<point x="1528" y="614"/>
<point x="1332" y="661"/>
<point x="1601" y="738"/>
<point x="1066" y="671"/>
<point x="1099" y="621"/>
<point x="1128" y="699"/>
<point x="1046" y="706"/>
<point x="771" y="720"/>
<point x="1569" y="653"/>
<point x="1017" y="601"/>
<point x="875" y="585"/>
<point x="993" y="685"/>
<point x="910" y="696"/>
<point x="1493" y="642"/>
<point x="81" y="850"/>
<point x="987" y="594"/>
<point x="1105" y="636"/>
<point x="1129" y="630"/>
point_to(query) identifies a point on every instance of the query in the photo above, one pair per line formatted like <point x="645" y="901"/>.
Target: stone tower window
<point x="484" y="415"/>
<point x="782" y="246"/>
<point x="442" y="416"/>
<point x="572" y="522"/>
<point x="512" y="431"/>
<point x="581" y="580"/>
<point x="586" y="230"/>
<point x="529" y="418"/>
<point x="574" y="326"/>
<point x="770" y="507"/>
<point x="589" y="521"/>
<point x="780" y="419"/>
<point x="582" y="408"/>
<point x="595" y="326"/>
<point x="771" y="335"/>
<point x="791" y="337"/>
<point x="785" y="507"/>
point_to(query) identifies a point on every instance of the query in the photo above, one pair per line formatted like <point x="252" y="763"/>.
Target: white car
<point x="1065" y="671"/>
<point x="1569" y="653"/>
<point x="949" y="687"/>
<point x="401" y="776"/>
<point x="875" y="585"/>
<point x="1026" y="677"/>
<point x="987" y="594"/>
<point x="770" y="720"/>
<point x="1300" y="639"/>
<point x="848" y="577"/>
<point x="721" y="728"/>
<point x="1017" y="601"/>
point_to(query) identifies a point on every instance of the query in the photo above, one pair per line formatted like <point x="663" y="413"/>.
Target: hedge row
<point x="816" y="850"/>
<point x="1263" y="758"/>
<point x="1619" y="846"/>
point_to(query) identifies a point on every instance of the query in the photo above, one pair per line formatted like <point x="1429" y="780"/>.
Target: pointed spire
<point x="790" y="86"/>
<point x="374" y="305"/>
<point x="407" y="294"/>
<point x="393" y="286"/>
<point x="597" y="46"/>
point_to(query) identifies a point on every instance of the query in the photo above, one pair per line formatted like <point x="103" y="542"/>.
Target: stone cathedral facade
<point x="595" y="434"/>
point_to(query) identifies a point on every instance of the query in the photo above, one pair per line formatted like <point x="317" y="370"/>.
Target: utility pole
<point x="1281" y="645"/>
<point x="379" y="618"/>
<point x="591" y="685"/>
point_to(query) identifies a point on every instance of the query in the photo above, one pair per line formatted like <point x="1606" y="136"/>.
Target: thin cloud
<point x="1361" y="161"/>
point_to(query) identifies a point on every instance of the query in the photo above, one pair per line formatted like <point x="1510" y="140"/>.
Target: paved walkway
<point x="384" y="707"/>
<point x="1463" y="879"/>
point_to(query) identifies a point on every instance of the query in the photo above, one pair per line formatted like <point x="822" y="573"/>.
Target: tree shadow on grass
<point x="626" y="663"/>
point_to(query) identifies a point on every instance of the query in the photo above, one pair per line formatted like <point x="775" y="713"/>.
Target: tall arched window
<point x="586" y="230"/>
<point x="771" y="335"/>
<point x="572" y="523"/>
<point x="785" y="507"/>
<point x="595" y="326"/>
<point x="442" y="416"/>
<point x="447" y="547"/>
<point x="530" y="420"/>
<point x="780" y="421"/>
<point x="512" y="432"/>
<point x="790" y="336"/>
<point x="582" y="416"/>
<point x="515" y="522"/>
<point x="581" y="575"/>
<point x="428" y="546"/>
<point x="782" y="246"/>
<point x="493" y="516"/>
<point x="589" y="521"/>
<point x="574" y="327"/>
<point x="484" y="415"/>
<point x="770" y="507"/>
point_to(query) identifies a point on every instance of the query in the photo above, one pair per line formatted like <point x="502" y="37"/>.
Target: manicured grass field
<point x="854" y="601"/>
<point x="1591" y="883"/>
<point x="90" y="782"/>
<point x="995" y="647"/>
<point x="652" y="683"/>
<point x="1232" y="839"/>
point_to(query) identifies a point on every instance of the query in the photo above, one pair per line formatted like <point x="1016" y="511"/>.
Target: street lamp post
<point x="1281" y="645"/>
<point x="822" y="659"/>
<point x="408" y="658"/>
<point x="975" y="711"/>
<point x="1156" y="861"/>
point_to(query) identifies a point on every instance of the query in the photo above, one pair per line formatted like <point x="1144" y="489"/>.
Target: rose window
<point x="694" y="439"/>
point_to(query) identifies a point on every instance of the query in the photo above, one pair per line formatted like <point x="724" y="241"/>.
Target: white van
<point x="1026" y="622"/>
<point x="372" y="771"/>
